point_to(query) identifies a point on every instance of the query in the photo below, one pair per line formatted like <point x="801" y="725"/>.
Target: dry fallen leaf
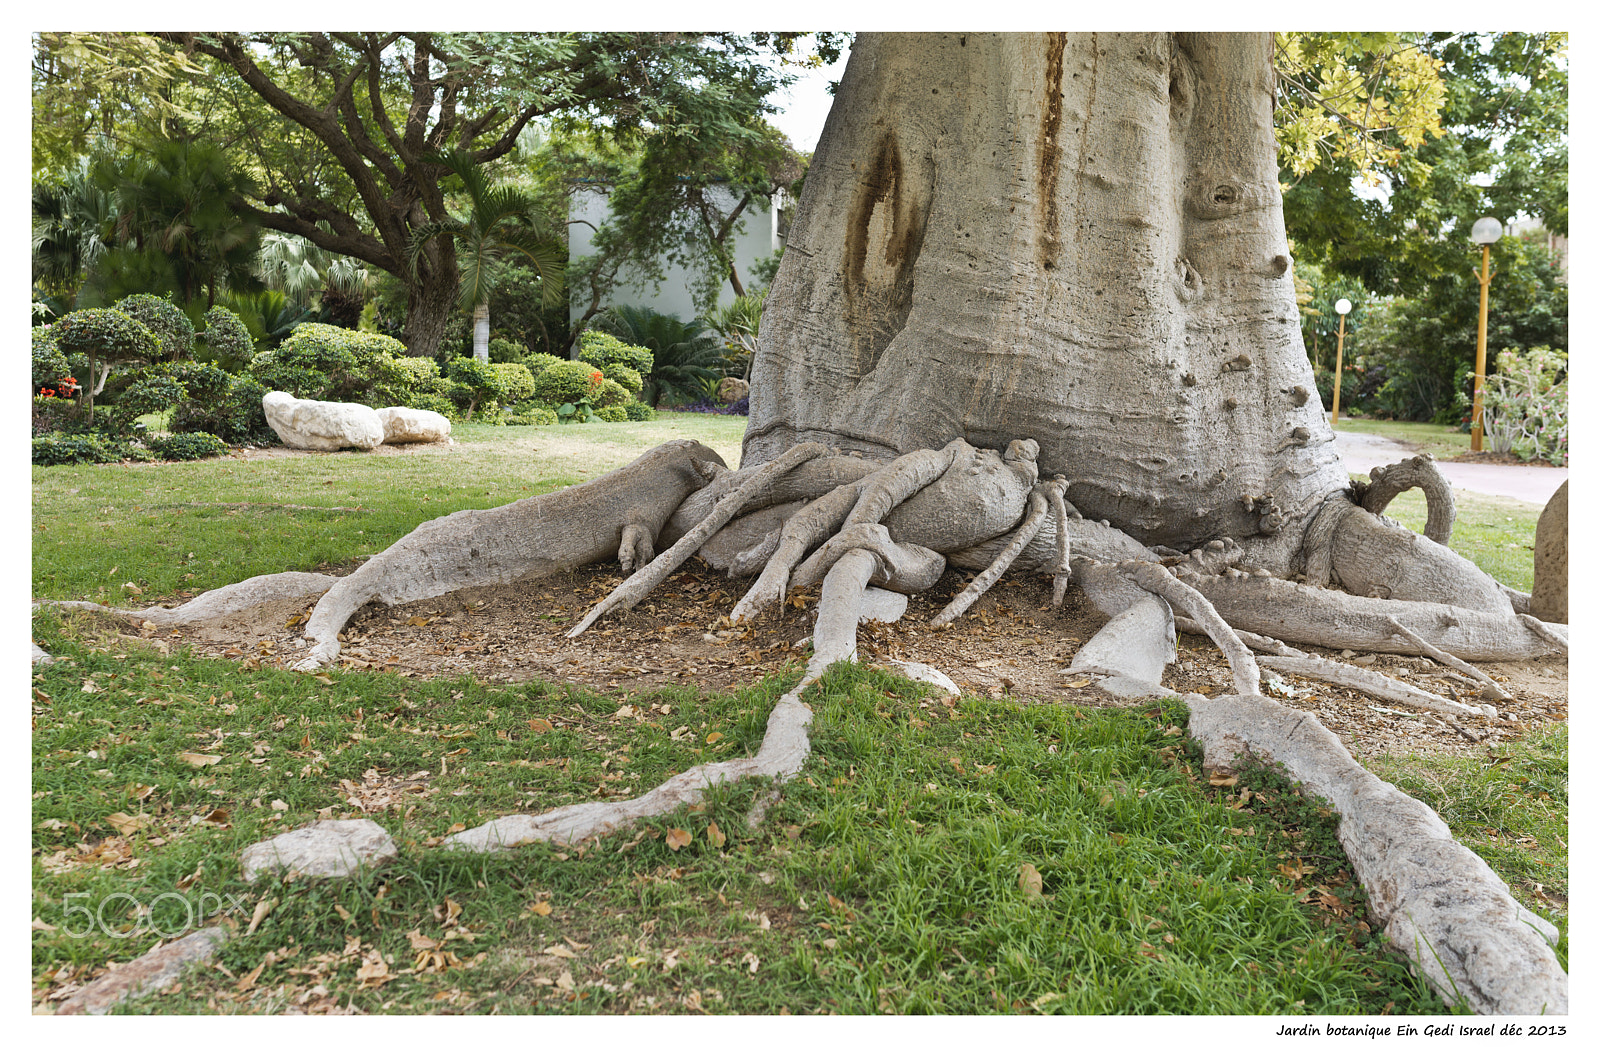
<point x="1031" y="882"/>
<point x="714" y="737"/>
<point x="540" y="725"/>
<point x="199" y="759"/>
<point x="1223" y="780"/>
<point x="540" y="908"/>
<point x="676" y="838"/>
<point x="716" y="835"/>
<point x="127" y="824"/>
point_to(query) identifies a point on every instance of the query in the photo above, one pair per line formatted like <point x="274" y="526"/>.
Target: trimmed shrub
<point x="639" y="412"/>
<point x="172" y="330"/>
<point x="185" y="447"/>
<point x="434" y="402"/>
<point x="104" y="334"/>
<point x="50" y="365"/>
<point x="537" y="362"/>
<point x="69" y="449"/>
<point x="423" y="371"/>
<point x="626" y="377"/>
<point x="321" y="362"/>
<point x="565" y="382"/>
<point x="145" y="390"/>
<point x="610" y="394"/>
<point x="516" y="383"/>
<point x="227" y="339"/>
<point x="483" y="383"/>
<point x="532" y="416"/>
<point x="505" y="351"/>
<point x="600" y="349"/>
<point x="224" y="405"/>
<point x="612" y="414"/>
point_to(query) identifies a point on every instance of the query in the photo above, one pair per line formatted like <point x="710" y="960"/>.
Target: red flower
<point x="47" y="392"/>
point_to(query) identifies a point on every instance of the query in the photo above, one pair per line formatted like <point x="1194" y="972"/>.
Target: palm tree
<point x="300" y="269"/>
<point x="686" y="354"/>
<point x="71" y="219"/>
<point x="504" y="226"/>
<point x="176" y="214"/>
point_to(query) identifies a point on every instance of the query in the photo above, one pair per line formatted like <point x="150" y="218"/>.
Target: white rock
<point x="319" y="425"/>
<point x="41" y="656"/>
<point x="327" y="848"/>
<point x="409" y="425"/>
<point x="732" y="390"/>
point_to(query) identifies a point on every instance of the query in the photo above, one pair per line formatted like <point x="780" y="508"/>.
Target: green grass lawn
<point x="971" y="856"/>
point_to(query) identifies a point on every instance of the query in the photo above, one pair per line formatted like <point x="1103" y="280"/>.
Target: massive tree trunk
<point x="1076" y="239"/>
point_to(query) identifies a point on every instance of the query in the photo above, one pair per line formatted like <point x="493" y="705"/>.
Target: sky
<point x="805" y="105"/>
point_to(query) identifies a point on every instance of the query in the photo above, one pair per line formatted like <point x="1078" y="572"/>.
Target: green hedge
<point x="183" y="447"/>
<point x="172" y="330"/>
<point x="600" y="349"/>
<point x="532" y="416"/>
<point x="567" y="381"/>
<point x="639" y="412"/>
<point x="611" y="414"/>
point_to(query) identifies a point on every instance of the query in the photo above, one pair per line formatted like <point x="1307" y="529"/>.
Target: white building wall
<point x="761" y="237"/>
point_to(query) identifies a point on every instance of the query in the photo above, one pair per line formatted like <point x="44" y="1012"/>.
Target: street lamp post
<point x="1342" y="306"/>
<point x="1485" y="231"/>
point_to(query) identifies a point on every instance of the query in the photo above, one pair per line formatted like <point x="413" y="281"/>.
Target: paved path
<point x="1528" y="483"/>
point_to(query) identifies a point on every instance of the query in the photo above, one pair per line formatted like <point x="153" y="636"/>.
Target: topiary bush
<point x="611" y="414"/>
<point x="532" y="416"/>
<point x="172" y="330"/>
<point x="638" y="411"/>
<point x="146" y="390"/>
<point x="226" y="339"/>
<point x="566" y="382"/>
<point x="321" y="362"/>
<point x="483" y="383"/>
<point x="600" y="349"/>
<point x="610" y="394"/>
<point x="223" y="405"/>
<point x="104" y="335"/>
<point x="537" y="362"/>
<point x="434" y="402"/>
<point x="624" y="376"/>
<point x="505" y="351"/>
<point x="185" y="447"/>
<point x="516" y="382"/>
<point x="50" y="365"/>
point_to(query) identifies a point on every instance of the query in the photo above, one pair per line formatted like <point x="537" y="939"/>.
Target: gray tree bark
<point x="1076" y="239"/>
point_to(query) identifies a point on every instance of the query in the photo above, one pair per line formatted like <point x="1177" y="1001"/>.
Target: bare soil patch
<point x="1010" y="644"/>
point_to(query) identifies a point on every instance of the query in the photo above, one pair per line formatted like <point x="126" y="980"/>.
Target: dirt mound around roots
<point x="1010" y="644"/>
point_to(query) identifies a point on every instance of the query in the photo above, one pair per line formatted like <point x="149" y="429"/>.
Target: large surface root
<point x="216" y="603"/>
<point x="1391" y="480"/>
<point x="1439" y="903"/>
<point x="526" y="539"/>
<point x="639" y="585"/>
<point x="1369" y="682"/>
<point x="783" y="752"/>
<point x="1328" y="618"/>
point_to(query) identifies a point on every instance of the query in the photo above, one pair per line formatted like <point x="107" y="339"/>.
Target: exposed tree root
<point x="1371" y="682"/>
<point x="530" y="538"/>
<point x="639" y="585"/>
<point x="1038" y="506"/>
<point x="1156" y="579"/>
<point x="1439" y="903"/>
<point x="1391" y="480"/>
<point x="1326" y="617"/>
<point x="1490" y="688"/>
<point x="783" y="752"/>
<point x="217" y="603"/>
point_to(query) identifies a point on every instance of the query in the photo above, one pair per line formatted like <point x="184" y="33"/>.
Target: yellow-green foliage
<point x="517" y="381"/>
<point x="624" y="376"/>
<point x="610" y="394"/>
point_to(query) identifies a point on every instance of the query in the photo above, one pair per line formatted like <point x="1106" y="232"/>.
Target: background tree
<point x="177" y="225"/>
<point x="503" y="225"/>
<point x="73" y="218"/>
<point x="378" y="104"/>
